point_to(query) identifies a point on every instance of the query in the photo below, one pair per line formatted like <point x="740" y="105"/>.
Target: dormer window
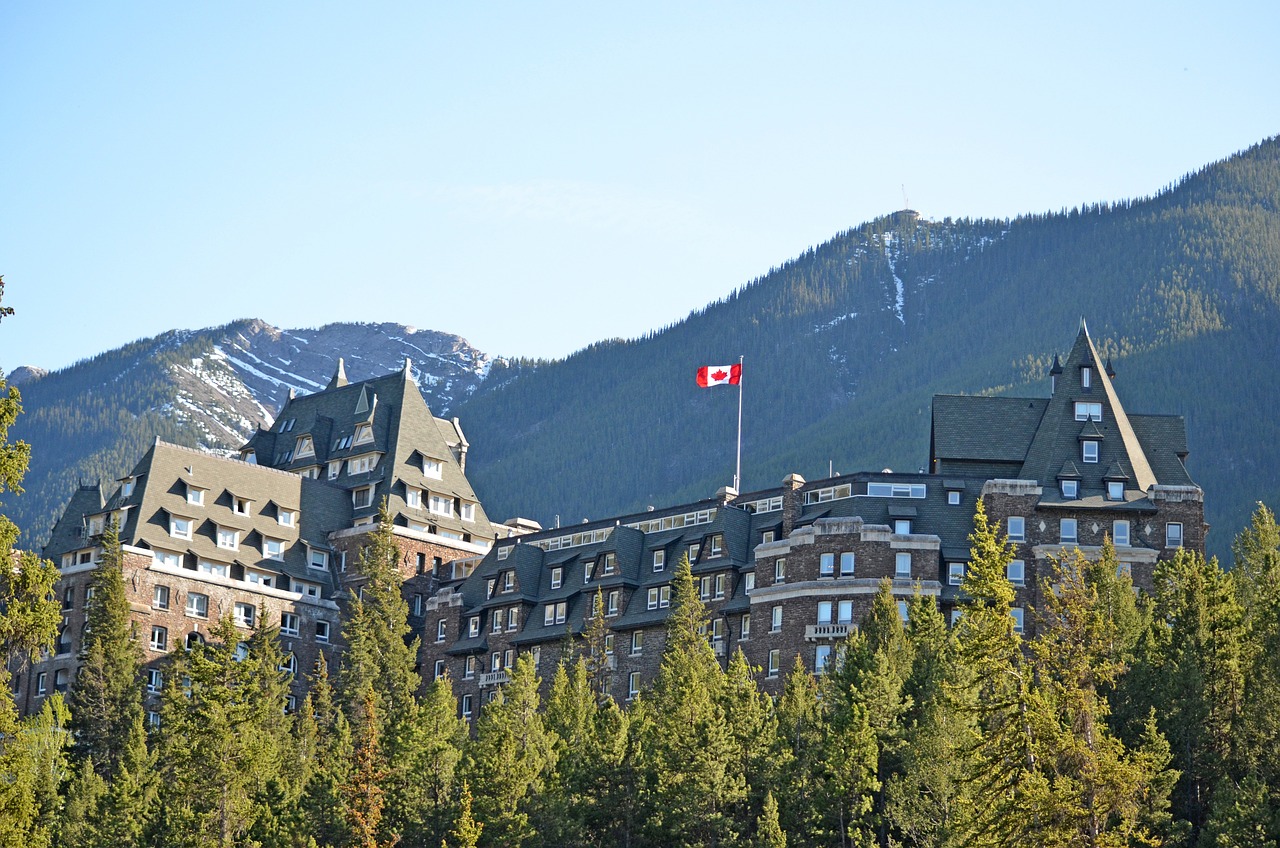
<point x="286" y="426"/>
<point x="413" y="498"/>
<point x="362" y="464"/>
<point x="508" y="581"/>
<point x="610" y="563"/>
<point x="342" y="443"/>
<point x="468" y="511"/>
<point x="1115" y="491"/>
<point x="1086" y="378"/>
<point x="286" y="517"/>
<point x="229" y="538"/>
<point x="250" y="457"/>
<point x="364" y="433"/>
<point x="902" y="526"/>
<point x="179" y="527"/>
<point x="240" y="506"/>
<point x="305" y="447"/>
<point x="433" y="468"/>
<point x="1086" y="411"/>
<point x="1070" y="488"/>
<point x="717" y="545"/>
<point x="1089" y="451"/>
<point x="126" y="487"/>
<point x="195" y="496"/>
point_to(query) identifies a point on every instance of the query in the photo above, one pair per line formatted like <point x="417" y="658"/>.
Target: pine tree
<point x="769" y="833"/>
<point x="595" y="646"/>
<point x="364" y="793"/>
<point x="466" y="831"/>
<point x="420" y="788"/>
<point x="753" y="735"/>
<point x="802" y="727"/>
<point x="106" y="702"/>
<point x="323" y="805"/>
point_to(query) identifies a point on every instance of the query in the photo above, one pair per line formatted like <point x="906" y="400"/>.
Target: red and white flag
<point x="719" y="375"/>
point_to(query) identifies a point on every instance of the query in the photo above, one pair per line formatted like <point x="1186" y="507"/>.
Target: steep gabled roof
<point x="997" y="429"/>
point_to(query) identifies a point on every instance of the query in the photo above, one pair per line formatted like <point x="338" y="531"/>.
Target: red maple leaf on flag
<point x="719" y="375"/>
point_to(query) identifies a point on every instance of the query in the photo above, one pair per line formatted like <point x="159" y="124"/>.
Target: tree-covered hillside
<point x="845" y="345"/>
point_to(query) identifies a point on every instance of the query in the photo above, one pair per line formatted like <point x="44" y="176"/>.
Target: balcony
<point x="493" y="678"/>
<point x="719" y="647"/>
<point x="817" y="632"/>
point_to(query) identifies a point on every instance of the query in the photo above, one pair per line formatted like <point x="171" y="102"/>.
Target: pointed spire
<point x="339" y="376"/>
<point x="1111" y="372"/>
<point x="293" y="393"/>
<point x="1057" y="366"/>
<point x="408" y="368"/>
<point x="1084" y="327"/>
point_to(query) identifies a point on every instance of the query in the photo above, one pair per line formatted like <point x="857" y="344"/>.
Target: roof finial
<point x="1057" y="366"/>
<point x="1111" y="372"/>
<point x="339" y="376"/>
<point x="408" y="368"/>
<point x="1084" y="326"/>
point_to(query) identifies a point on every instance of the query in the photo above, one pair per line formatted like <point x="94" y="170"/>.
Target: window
<point x="160" y="597"/>
<point x="513" y="618"/>
<point x="311" y="590"/>
<point x="195" y="496"/>
<point x="439" y="670"/>
<point x="1173" y="535"/>
<point x="555" y="613"/>
<point x="1115" y="490"/>
<point x="1088" y="411"/>
<point x="955" y="573"/>
<point x="776" y="622"/>
<point x="1067" y="531"/>
<point x="767" y="537"/>
<point x="1017" y="528"/>
<point x="1016" y="612"/>
<point x="217" y="569"/>
<point x="1089" y="450"/>
<point x="587" y="568"/>
<point x="194" y="640"/>
<point x="1086" y="377"/>
<point x="902" y="565"/>
<point x="717" y="545"/>
<point x="413" y="498"/>
<point x="1016" y="572"/>
<point x="746" y="626"/>
<point x="637" y="642"/>
<point x="694" y="550"/>
<point x="466" y="706"/>
<point x="846" y="564"/>
<point x="953" y="498"/>
<point x="608" y="645"/>
<point x="1120" y="533"/>
<point x="722" y="584"/>
<point x="286" y="517"/>
<point x="845" y="612"/>
<point x="243" y="615"/>
<point x="440" y="505"/>
<point x="653" y="598"/>
<point x="433" y="468"/>
<point x="179" y="527"/>
<point x="441" y="629"/>
<point x="825" y="611"/>
<point x="1070" y="488"/>
<point x="317" y="559"/>
<point x="902" y="611"/>
<point x="495" y="626"/>
<point x="774" y="660"/>
<point x="159" y="638"/>
<point x="228" y="538"/>
<point x="469" y="668"/>
<point x="1124" y="569"/>
<point x="197" y="605"/>
<point x="364" y="433"/>
<point x="749" y="581"/>
<point x="335" y="469"/>
<point x="41" y="683"/>
<point x="659" y="560"/>
<point x="305" y="447"/>
<point x="289" y="623"/>
<point x="664" y="597"/>
<point x="557" y="578"/>
<point x="473" y="626"/>
<point x="615" y="601"/>
<point x="633" y="685"/>
<point x="272" y="548"/>
<point x="704" y="588"/>
<point x="610" y="563"/>
<point x="126" y="487"/>
<point x="289" y="664"/>
<point x="322" y="631"/>
<point x="362" y="497"/>
<point x="902" y="526"/>
<point x="821" y="659"/>
<point x="508" y="581"/>
<point x="955" y="616"/>
<point x="342" y="443"/>
<point x="155" y="681"/>
<point x="827" y="565"/>
<point x="468" y="511"/>
<point x="780" y="569"/>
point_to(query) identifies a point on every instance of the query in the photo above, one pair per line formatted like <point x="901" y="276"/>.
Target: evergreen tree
<point x="769" y="833"/>
<point x="802" y="727"/>
<point x="364" y="792"/>
<point x="466" y="831"/>
<point x="753" y="735"/>
<point x="106" y="702"/>
<point x="420" y="788"/>
<point x="322" y="728"/>
<point x="595" y="646"/>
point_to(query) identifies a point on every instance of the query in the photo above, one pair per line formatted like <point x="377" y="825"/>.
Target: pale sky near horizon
<point x="538" y="176"/>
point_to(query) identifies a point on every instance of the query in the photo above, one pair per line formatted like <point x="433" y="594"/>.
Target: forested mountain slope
<point x="845" y="345"/>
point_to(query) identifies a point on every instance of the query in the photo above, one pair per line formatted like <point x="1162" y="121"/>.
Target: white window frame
<point x="160" y="596"/>
<point x="902" y="565"/>
<point x="286" y="517"/>
<point x="955" y="573"/>
<point x="1070" y="488"/>
<point x="1089" y="451"/>
<point x="322" y="631"/>
<point x="243" y="614"/>
<point x="826" y="565"/>
<point x="513" y="618"/>
<point x="953" y="498"/>
<point x="826" y="612"/>
<point x="317" y="559"/>
<point x="440" y="505"/>
<point x="473" y="627"/>
<point x="289" y="623"/>
<point x="1088" y="410"/>
<point x="442" y="630"/>
<point x="664" y="597"/>
<point x="1019" y="619"/>
<point x="228" y="538"/>
<point x="745" y="631"/>
<point x="1017" y="528"/>
<point x="821" y="659"/>
<point x="844" y="612"/>
<point x="848" y="563"/>
<point x="1173" y="539"/>
<point x="159" y="638"/>
<point x="468" y="511"/>
<point x="653" y="598"/>
<point x="215" y="569"/>
<point x="1120" y="536"/>
<point x="633" y="685"/>
<point x="637" y="642"/>
<point x="780" y="570"/>
<point x="195" y="495"/>
<point x="659" y="560"/>
<point x="432" y="468"/>
<point x="557" y="577"/>
<point x="1016" y="572"/>
<point x="775" y="659"/>
<point x="273" y="549"/>
<point x="180" y="527"/>
<point x="197" y="605"/>
<point x="362" y="498"/>
<point x="902" y="526"/>
<point x="1068" y="531"/>
<point x="775" y="620"/>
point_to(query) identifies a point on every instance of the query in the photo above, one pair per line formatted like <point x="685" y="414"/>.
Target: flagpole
<point x="737" y="477"/>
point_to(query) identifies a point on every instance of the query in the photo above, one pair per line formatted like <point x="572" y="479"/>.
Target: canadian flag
<point x="719" y="375"/>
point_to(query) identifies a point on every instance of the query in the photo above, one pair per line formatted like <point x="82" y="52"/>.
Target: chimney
<point x="791" y="502"/>
<point x="725" y="494"/>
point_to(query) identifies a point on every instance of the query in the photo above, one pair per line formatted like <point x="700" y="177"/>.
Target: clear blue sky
<point x="538" y="176"/>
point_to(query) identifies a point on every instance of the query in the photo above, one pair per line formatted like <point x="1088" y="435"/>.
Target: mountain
<point x="844" y="347"/>
<point x="208" y="389"/>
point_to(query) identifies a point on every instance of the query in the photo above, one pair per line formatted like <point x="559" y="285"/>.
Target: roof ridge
<point x="215" y="457"/>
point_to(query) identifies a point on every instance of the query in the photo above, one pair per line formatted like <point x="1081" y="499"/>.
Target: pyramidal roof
<point x="1086" y="378"/>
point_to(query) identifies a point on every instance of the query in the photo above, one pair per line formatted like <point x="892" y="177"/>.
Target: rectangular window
<point x="317" y="559"/>
<point x="587" y="568"/>
<point x="776" y="622"/>
<point x="955" y="616"/>
<point x="775" y="657"/>
<point x="608" y="645"/>
<point x="159" y="638"/>
<point x="1070" y="488"/>
<point x="825" y="611"/>
<point x="197" y="605"/>
<point x="473" y="626"/>
<point x="955" y="573"/>
<point x="704" y="588"/>
<point x="433" y="468"/>
<point x="717" y="545"/>
<point x="1086" y="411"/>
<point x="1124" y="569"/>
<point x="746" y="626"/>
<point x="664" y="597"/>
<point x="767" y="537"/>
<point x="259" y="578"/>
<point x="844" y="612"/>
<point x="289" y="623"/>
<point x="305" y="447"/>
<point x="468" y="511"/>
<point x="466" y="706"/>
<point x="1017" y="528"/>
<point x="335" y="469"/>
<point x="694" y="550"/>
<point x="659" y="560"/>
<point x="615" y="601"/>
<point x="42" y="684"/>
<point x="508" y="581"/>
<point x="1016" y="572"/>
<point x="442" y="627"/>
<point x="195" y="496"/>
<point x="413" y="498"/>
<point x="653" y="598"/>
<point x="633" y="685"/>
<point x="637" y="642"/>
<point x="1120" y="533"/>
<point x="846" y="564"/>
<point x="496" y="623"/>
<point x="439" y="670"/>
<point x="1115" y="491"/>
<point x="902" y="566"/>
<point x="1016" y="612"/>
<point x="1089" y="451"/>
<point x="179" y="528"/>
<point x="243" y="615"/>
<point x="780" y="569"/>
<point x="1173" y="535"/>
<point x="953" y="498"/>
<point x="286" y="517"/>
<point x="155" y="681"/>
<point x="469" y="668"/>
<point x="749" y="581"/>
<point x="272" y="548"/>
<point x="826" y="565"/>
<point x="902" y="526"/>
<point x="513" y="618"/>
<point x="322" y="631"/>
<point x="363" y="497"/>
<point x="311" y="590"/>
<point x="721" y="585"/>
<point x="903" y="611"/>
<point x="821" y="659"/>
<point x="160" y="597"/>
<point x="217" y="569"/>
<point x="1067" y="531"/>
<point x="362" y="464"/>
<point x="557" y="575"/>
<point x="610" y="563"/>
<point x="440" y="505"/>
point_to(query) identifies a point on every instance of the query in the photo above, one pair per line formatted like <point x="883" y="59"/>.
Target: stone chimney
<point x="791" y="502"/>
